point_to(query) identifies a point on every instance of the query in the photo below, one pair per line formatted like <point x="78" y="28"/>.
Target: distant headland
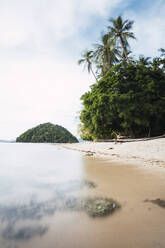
<point x="47" y="133"/>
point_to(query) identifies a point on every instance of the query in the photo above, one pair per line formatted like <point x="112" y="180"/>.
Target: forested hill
<point x="47" y="133"/>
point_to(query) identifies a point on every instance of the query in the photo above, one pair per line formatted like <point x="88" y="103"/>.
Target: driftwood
<point x="129" y="140"/>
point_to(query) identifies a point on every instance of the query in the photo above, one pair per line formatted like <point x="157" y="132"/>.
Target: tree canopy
<point x="129" y="96"/>
<point x="47" y="133"/>
<point x="129" y="100"/>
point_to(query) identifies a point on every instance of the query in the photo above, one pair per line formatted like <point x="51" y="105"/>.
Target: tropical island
<point x="46" y="191"/>
<point x="126" y="104"/>
<point x="47" y="133"/>
<point x="128" y="98"/>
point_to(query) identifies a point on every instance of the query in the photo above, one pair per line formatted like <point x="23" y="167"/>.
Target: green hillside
<point x="47" y="133"/>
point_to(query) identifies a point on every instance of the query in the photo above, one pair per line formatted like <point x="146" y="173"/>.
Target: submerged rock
<point x="96" y="207"/>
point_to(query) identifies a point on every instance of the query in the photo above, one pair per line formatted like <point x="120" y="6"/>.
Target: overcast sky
<point x="40" y="43"/>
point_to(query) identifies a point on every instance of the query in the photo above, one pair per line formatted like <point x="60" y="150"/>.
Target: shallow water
<point x="36" y="178"/>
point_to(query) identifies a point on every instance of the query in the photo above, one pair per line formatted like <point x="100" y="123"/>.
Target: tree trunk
<point x="149" y="132"/>
<point x="94" y="74"/>
<point x="124" y="49"/>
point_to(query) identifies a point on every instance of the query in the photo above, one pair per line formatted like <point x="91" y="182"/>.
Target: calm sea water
<point x="34" y="178"/>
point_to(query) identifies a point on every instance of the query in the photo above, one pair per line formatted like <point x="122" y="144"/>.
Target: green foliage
<point x="84" y="134"/>
<point x="47" y="133"/>
<point x="129" y="100"/>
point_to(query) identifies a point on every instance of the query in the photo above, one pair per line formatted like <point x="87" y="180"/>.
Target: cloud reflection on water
<point x="61" y="199"/>
<point x="37" y="210"/>
<point x="23" y="233"/>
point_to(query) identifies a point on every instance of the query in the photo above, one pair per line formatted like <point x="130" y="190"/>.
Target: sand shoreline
<point x="149" y="153"/>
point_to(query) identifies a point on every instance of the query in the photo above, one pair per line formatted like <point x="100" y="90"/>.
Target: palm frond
<point x="128" y="25"/>
<point x="80" y="61"/>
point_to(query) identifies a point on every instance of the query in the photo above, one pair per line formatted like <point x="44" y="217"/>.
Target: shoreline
<point x="150" y="153"/>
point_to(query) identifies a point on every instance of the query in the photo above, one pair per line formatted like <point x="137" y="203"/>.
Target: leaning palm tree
<point x="87" y="58"/>
<point x="106" y="54"/>
<point x="120" y="31"/>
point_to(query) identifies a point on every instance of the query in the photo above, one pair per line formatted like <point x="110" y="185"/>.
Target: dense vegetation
<point x="128" y="97"/>
<point x="47" y="133"/>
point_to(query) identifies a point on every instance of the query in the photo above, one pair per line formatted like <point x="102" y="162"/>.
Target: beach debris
<point x="89" y="153"/>
<point x="159" y="202"/>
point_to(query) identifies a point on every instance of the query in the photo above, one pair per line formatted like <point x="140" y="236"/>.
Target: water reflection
<point x="62" y="199"/>
<point x="36" y="180"/>
<point x="33" y="211"/>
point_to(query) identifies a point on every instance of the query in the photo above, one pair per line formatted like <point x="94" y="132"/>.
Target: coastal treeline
<point x="128" y="98"/>
<point x="47" y="133"/>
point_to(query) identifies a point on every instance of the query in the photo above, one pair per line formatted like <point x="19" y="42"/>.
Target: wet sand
<point x="136" y="224"/>
<point x="32" y="178"/>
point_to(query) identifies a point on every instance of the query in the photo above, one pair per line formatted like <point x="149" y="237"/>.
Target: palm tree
<point x="162" y="50"/>
<point x="130" y="57"/>
<point x="120" y="30"/>
<point x="144" y="61"/>
<point x="87" y="58"/>
<point x="105" y="54"/>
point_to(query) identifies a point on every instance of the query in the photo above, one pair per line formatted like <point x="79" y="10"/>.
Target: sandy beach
<point x="149" y="153"/>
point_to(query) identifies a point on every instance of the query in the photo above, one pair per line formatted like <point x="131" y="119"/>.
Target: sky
<point x="40" y="44"/>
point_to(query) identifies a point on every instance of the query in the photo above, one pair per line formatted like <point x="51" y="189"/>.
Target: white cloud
<point x="39" y="45"/>
<point x="38" y="82"/>
<point x="38" y="22"/>
<point x="40" y="91"/>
